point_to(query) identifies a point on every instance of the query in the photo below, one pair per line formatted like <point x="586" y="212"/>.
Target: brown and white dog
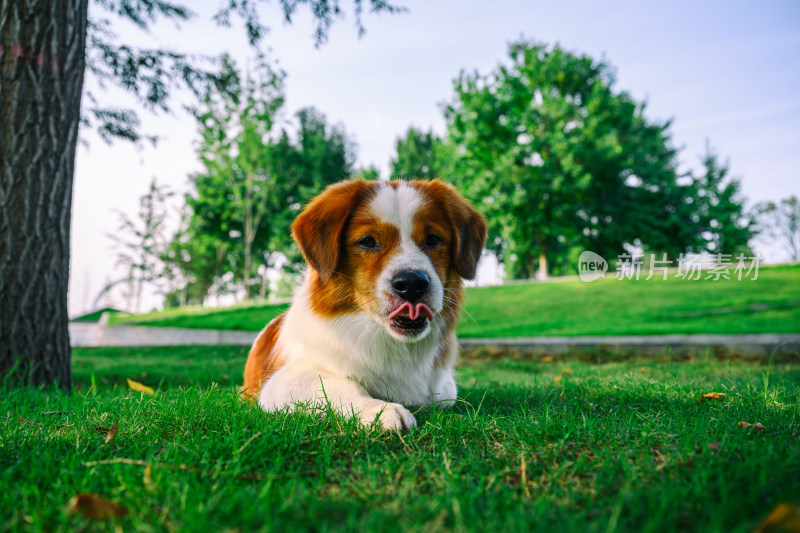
<point x="372" y="325"/>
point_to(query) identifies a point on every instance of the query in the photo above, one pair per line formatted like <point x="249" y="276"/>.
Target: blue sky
<point x="726" y="71"/>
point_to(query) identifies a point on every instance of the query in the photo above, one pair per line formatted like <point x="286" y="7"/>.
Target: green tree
<point x="723" y="227"/>
<point x="417" y="155"/>
<point x="559" y="160"/>
<point x="370" y="172"/>
<point x="47" y="48"/>
<point x="323" y="154"/>
<point x="255" y="179"/>
<point x="238" y="187"/>
<point x="194" y="260"/>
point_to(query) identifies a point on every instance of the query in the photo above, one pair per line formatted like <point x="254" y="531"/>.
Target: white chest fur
<point x="355" y="347"/>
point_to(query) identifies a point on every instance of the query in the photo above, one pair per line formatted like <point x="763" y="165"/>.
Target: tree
<point x="44" y="55"/>
<point x="324" y="154"/>
<point x="192" y="261"/>
<point x="723" y="227"/>
<point x="558" y="160"/>
<point x="141" y="244"/>
<point x="417" y="155"/>
<point x="239" y="183"/>
<point x="255" y="180"/>
<point x="781" y="222"/>
<point x="370" y="172"/>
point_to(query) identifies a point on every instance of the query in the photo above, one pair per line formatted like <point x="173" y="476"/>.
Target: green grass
<point x="533" y="445"/>
<point x="770" y="304"/>
<point x="94" y="316"/>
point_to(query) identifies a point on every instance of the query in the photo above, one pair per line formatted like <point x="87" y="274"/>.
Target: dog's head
<point x="396" y="251"/>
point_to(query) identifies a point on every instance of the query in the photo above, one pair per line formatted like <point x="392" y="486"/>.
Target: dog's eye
<point x="368" y="243"/>
<point x="432" y="241"/>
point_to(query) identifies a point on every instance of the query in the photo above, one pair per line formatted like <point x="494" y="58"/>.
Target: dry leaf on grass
<point x="565" y="373"/>
<point x="757" y="426"/>
<point x="719" y="396"/>
<point x="138" y="387"/>
<point x="26" y="422"/>
<point x="147" y="478"/>
<point x="96" y="508"/>
<point x="785" y="518"/>
<point x="112" y="432"/>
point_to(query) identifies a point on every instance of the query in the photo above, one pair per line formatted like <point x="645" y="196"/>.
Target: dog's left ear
<point x="318" y="229"/>
<point x="468" y="226"/>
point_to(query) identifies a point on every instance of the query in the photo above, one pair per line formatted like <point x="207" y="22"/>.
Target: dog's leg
<point x="297" y="383"/>
<point x="443" y="381"/>
<point x="445" y="391"/>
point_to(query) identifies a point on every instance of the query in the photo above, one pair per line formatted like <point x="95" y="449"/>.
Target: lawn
<point x="770" y="304"/>
<point x="541" y="445"/>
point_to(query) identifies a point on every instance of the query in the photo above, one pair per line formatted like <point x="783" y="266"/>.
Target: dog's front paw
<point x="391" y="416"/>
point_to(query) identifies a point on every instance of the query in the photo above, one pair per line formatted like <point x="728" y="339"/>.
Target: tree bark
<point x="543" y="264"/>
<point x="42" y="60"/>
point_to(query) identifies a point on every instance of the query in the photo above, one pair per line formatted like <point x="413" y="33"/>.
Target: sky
<point x="725" y="72"/>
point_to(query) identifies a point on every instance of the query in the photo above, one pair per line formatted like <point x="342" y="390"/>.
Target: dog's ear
<point x="318" y="229"/>
<point x="468" y="227"/>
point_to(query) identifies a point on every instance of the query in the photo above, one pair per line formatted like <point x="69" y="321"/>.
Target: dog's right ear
<point x="318" y="229"/>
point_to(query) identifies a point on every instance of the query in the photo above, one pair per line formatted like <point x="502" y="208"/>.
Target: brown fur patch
<point x="468" y="227"/>
<point x="318" y="229"/>
<point x="352" y="287"/>
<point x="447" y="352"/>
<point x="263" y="360"/>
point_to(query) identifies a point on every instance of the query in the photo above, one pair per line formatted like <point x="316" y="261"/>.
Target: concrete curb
<point x="93" y="335"/>
<point x="748" y="345"/>
<point x="764" y="345"/>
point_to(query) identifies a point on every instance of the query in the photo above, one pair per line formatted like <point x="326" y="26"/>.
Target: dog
<point x="371" y="329"/>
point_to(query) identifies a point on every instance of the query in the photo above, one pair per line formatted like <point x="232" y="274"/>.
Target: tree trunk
<point x="543" y="264"/>
<point x="246" y="273"/>
<point x="42" y="59"/>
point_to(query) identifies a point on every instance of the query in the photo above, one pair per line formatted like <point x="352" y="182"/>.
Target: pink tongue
<point x="412" y="310"/>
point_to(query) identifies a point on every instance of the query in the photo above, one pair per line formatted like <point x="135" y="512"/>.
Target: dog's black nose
<point x="410" y="284"/>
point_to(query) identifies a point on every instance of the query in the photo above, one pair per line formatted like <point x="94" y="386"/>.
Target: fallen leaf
<point x="565" y="373"/>
<point x="112" y="432"/>
<point x="147" y="478"/>
<point x="96" y="508"/>
<point x="138" y="387"/>
<point x="27" y="422"/>
<point x="785" y="518"/>
<point x="757" y="426"/>
<point x="719" y="396"/>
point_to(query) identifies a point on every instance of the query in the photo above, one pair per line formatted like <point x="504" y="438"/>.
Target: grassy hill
<point x="769" y="304"/>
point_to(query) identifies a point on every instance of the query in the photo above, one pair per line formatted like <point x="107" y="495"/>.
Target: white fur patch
<point x="398" y="207"/>
<point x="357" y="365"/>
